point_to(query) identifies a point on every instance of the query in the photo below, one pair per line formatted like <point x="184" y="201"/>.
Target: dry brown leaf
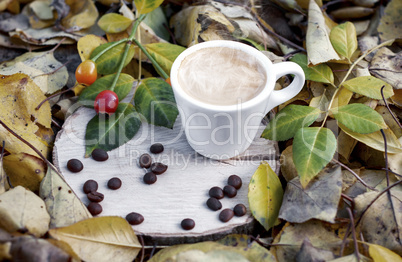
<point x="382" y="223"/>
<point x="352" y="12"/>
<point x="309" y="253"/>
<point x="288" y="169"/>
<point x="21" y="209"/>
<point x="319" y="47"/>
<point x="346" y="144"/>
<point x="390" y="23"/>
<point x="83" y="14"/>
<point x="387" y="65"/>
<point x="87" y="44"/>
<point x="63" y="205"/>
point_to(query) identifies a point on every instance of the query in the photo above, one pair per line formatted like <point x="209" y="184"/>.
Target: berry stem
<point x="116" y="78"/>
<point x="108" y="48"/>
<point x="153" y="61"/>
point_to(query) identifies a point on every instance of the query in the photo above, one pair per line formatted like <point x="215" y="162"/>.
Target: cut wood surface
<point x="181" y="192"/>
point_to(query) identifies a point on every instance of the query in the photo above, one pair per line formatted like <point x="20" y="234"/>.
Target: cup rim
<point x="265" y="62"/>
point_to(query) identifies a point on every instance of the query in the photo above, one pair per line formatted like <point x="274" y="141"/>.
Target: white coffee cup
<point x="224" y="131"/>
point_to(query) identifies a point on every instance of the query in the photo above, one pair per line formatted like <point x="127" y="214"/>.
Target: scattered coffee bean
<point x="94" y="208"/>
<point x="134" y="218"/>
<point x="158" y="168"/>
<point x="187" y="224"/>
<point x="214" y="204"/>
<point x="156" y="148"/>
<point x="216" y="192"/>
<point x="145" y="160"/>
<point x="235" y="181"/>
<point x="75" y="165"/>
<point x="95" y="196"/>
<point x="114" y="183"/>
<point x="226" y="215"/>
<point x="100" y="154"/>
<point x="230" y="191"/>
<point x="150" y="178"/>
<point x="240" y="210"/>
<point x="90" y="186"/>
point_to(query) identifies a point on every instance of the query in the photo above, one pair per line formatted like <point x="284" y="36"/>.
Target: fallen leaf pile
<point x="339" y="194"/>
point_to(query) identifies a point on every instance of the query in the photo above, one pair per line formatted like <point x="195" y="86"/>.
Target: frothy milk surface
<point x="221" y="76"/>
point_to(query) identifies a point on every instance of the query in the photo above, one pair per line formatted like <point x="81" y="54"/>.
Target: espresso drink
<point x="221" y="76"/>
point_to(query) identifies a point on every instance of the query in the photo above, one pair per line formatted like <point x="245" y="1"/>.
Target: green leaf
<point x="265" y="195"/>
<point x="344" y="40"/>
<point x="110" y="132"/>
<point x="369" y="86"/>
<point x="157" y="21"/>
<point x="109" y="62"/>
<point x="359" y="118"/>
<point x="114" y="23"/>
<point x="313" y="149"/>
<point x="288" y="121"/>
<point x="154" y="99"/>
<point x="122" y="88"/>
<point x="319" y="73"/>
<point x="146" y="6"/>
<point x="164" y="54"/>
<point x="376" y="140"/>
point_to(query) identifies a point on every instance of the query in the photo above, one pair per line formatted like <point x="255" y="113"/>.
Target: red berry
<point x="86" y="73"/>
<point x="106" y="102"/>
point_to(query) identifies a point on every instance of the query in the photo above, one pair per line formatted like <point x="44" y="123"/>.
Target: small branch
<point x="57" y="46"/>
<point x="123" y="59"/>
<point x="386" y="156"/>
<point x="56" y="124"/>
<point x="389" y="109"/>
<point x="352" y="202"/>
<point x="52" y="96"/>
<point x="389" y="170"/>
<point x="354" y="174"/>
<point x="345" y="238"/>
<point x="142" y="249"/>
<point x="352" y="222"/>
<point x="152" y="251"/>
<point x="372" y="201"/>
<point x="170" y="33"/>
<point x="108" y="48"/>
<point x="25" y="142"/>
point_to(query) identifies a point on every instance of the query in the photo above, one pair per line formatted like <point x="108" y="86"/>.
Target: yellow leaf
<point x="25" y="170"/>
<point x="22" y="209"/>
<point x="342" y="98"/>
<point x="3" y="178"/>
<point x="381" y="254"/>
<point x="100" y="239"/>
<point x="146" y="6"/>
<point x="87" y="44"/>
<point x="265" y="195"/>
<point x="375" y="140"/>
<point x="19" y="96"/>
<point x="83" y="14"/>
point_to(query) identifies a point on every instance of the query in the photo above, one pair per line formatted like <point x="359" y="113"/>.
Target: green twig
<point x="108" y="48"/>
<point x="153" y="61"/>
<point x="116" y="78"/>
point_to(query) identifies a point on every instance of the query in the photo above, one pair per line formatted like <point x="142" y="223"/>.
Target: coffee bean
<point x="145" y="160"/>
<point x="240" y="210"/>
<point x="187" y="224"/>
<point x="114" y="183"/>
<point x="75" y="165"/>
<point x="94" y="208"/>
<point x="216" y="192"/>
<point x="235" y="181"/>
<point x="226" y="215"/>
<point x="90" y="186"/>
<point x="156" y="148"/>
<point x="214" y="204"/>
<point x="158" y="168"/>
<point x="95" y="196"/>
<point x="134" y="218"/>
<point x="150" y="178"/>
<point x="230" y="191"/>
<point x="100" y="154"/>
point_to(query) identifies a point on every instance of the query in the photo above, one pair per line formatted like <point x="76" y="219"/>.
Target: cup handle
<point x="280" y="96"/>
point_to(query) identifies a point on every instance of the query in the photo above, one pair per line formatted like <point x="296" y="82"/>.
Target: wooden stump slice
<point x="181" y="192"/>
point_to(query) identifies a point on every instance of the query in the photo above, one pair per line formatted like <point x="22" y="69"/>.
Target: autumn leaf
<point x="114" y="23"/>
<point x="22" y="209"/>
<point x="344" y="40"/>
<point x="87" y="44"/>
<point x="63" y="205"/>
<point x="265" y="195"/>
<point x="319" y="73"/>
<point x="100" y="239"/>
<point x="369" y="86"/>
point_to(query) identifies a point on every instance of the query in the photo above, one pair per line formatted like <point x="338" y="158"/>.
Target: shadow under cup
<point x="221" y="123"/>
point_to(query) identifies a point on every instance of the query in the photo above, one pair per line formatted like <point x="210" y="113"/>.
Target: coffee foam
<point x="221" y="76"/>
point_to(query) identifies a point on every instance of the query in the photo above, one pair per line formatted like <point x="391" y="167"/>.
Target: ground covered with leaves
<point x="338" y="196"/>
